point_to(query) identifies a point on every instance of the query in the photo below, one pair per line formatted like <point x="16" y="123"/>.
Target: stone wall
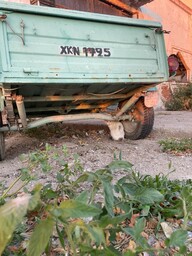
<point x="166" y="91"/>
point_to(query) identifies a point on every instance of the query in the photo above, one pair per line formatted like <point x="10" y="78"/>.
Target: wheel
<point x="142" y="122"/>
<point x="2" y="142"/>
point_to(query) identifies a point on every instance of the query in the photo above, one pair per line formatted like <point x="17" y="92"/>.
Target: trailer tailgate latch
<point x="160" y="31"/>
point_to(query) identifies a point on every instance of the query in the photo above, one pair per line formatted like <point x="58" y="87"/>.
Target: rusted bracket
<point x="160" y="31"/>
<point x="129" y="103"/>
<point x="21" y="110"/>
<point x="3" y="17"/>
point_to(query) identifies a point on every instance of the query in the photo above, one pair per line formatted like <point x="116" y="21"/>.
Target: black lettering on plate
<point x="63" y="50"/>
<point x="76" y="51"/>
<point x="107" y="52"/>
<point x="99" y="51"/>
<point x="86" y="51"/>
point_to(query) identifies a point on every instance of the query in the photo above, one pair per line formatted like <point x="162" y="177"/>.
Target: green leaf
<point x="142" y="194"/>
<point x="60" y="177"/>
<point x="135" y="232"/>
<point x="130" y="188"/>
<point x="145" y="210"/>
<point x="178" y="238"/>
<point x="76" y="209"/>
<point x="25" y="174"/>
<point x="108" y="220"/>
<point x="11" y="214"/>
<point x="129" y="253"/>
<point x="108" y="197"/>
<point x="60" y="235"/>
<point x="110" y="251"/>
<point x="90" y="177"/>
<point x="40" y="237"/>
<point x="83" y="197"/>
<point x="172" y="212"/>
<point x="139" y="227"/>
<point x="34" y="200"/>
<point x="97" y="234"/>
<point x="118" y="164"/>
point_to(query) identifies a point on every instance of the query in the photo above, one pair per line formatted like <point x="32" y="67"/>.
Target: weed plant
<point x="86" y="213"/>
<point x="181" y="99"/>
<point x="176" y="146"/>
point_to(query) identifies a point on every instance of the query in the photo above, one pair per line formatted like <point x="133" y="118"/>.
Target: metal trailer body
<point x="62" y="65"/>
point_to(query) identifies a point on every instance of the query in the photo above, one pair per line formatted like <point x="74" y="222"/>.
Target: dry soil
<point x="91" y="141"/>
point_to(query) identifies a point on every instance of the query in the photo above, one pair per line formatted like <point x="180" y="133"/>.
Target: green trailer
<point x="58" y="65"/>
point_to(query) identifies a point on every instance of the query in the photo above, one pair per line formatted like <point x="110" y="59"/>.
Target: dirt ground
<point x="91" y="141"/>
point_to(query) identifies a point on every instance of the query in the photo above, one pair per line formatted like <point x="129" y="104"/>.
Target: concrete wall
<point x="176" y="17"/>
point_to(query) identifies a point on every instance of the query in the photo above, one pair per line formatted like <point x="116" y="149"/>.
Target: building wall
<point x="176" y="17"/>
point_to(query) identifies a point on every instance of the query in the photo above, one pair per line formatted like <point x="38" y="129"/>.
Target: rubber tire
<point x="143" y="122"/>
<point x="2" y="142"/>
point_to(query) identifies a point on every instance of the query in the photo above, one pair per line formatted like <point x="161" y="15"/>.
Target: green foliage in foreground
<point x="177" y="145"/>
<point x="84" y="211"/>
<point x="181" y="99"/>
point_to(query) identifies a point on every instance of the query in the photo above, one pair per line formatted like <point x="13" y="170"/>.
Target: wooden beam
<point x="121" y="5"/>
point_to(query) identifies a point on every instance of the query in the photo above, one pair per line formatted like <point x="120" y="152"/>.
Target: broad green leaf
<point x="97" y="235"/>
<point x="108" y="220"/>
<point x="142" y="194"/>
<point x="108" y="197"/>
<point x="83" y="197"/>
<point x="130" y="188"/>
<point x="103" y="172"/>
<point x="76" y="209"/>
<point x="178" y="238"/>
<point x="139" y="227"/>
<point x="118" y="164"/>
<point x="90" y="177"/>
<point x="135" y="232"/>
<point x="40" y="237"/>
<point x="172" y="212"/>
<point x="11" y="214"/>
